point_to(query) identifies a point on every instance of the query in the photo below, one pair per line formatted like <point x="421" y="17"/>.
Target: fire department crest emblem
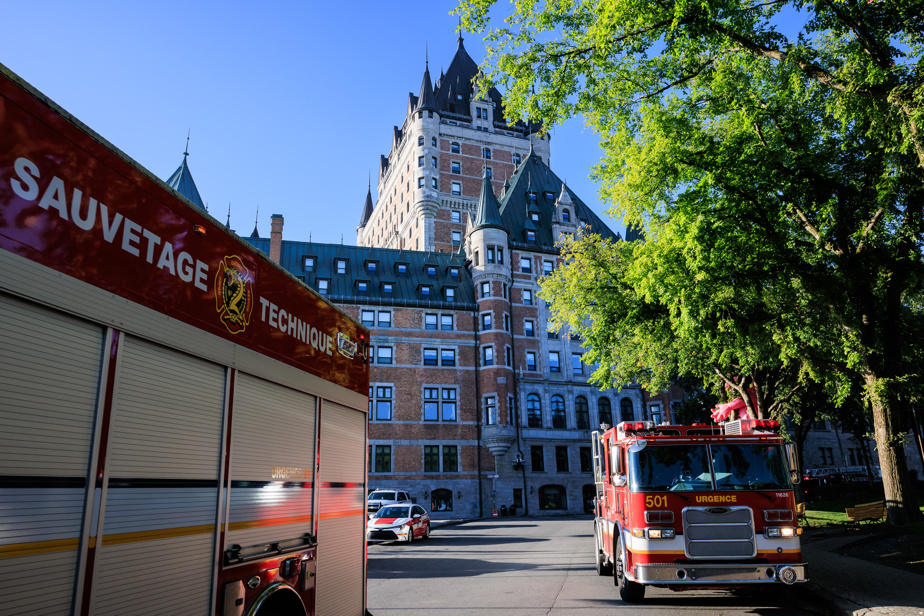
<point x="234" y="294"/>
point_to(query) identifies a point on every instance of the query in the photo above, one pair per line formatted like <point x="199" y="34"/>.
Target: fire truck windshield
<point x="686" y="468"/>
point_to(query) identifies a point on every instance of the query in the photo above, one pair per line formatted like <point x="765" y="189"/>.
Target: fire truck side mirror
<point x="792" y="454"/>
<point x="619" y="480"/>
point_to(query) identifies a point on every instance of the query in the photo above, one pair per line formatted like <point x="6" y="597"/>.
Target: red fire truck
<point x="182" y="423"/>
<point x="701" y="506"/>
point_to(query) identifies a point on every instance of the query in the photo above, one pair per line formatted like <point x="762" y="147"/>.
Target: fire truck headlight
<point x="638" y="532"/>
<point x="660" y="533"/>
<point x="778" y="532"/>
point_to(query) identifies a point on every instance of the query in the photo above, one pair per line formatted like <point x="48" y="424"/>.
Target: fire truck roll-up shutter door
<point x="160" y="512"/>
<point x="272" y="464"/>
<point x="49" y="382"/>
<point x="342" y="526"/>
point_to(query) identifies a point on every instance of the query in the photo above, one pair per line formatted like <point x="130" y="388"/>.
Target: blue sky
<point x="289" y="104"/>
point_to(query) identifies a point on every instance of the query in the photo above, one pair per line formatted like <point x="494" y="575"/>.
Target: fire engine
<point x="699" y="506"/>
<point x="182" y="423"/>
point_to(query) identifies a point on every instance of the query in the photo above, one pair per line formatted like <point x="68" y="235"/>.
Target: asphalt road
<point x="525" y="567"/>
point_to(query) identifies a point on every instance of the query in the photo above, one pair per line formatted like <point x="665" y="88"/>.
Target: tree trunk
<point x="901" y="507"/>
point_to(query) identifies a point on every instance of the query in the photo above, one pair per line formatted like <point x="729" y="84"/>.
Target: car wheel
<point x="410" y="534"/>
<point x="629" y="591"/>
<point x="426" y="534"/>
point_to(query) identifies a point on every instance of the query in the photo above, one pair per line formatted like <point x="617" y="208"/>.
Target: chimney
<point x="275" y="252"/>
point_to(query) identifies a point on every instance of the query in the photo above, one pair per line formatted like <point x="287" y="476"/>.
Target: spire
<point x="228" y="222"/>
<point x="256" y="233"/>
<point x="182" y="182"/>
<point x="488" y="213"/>
<point x="367" y="207"/>
<point x="426" y="100"/>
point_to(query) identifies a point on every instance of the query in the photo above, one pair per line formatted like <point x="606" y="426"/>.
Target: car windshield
<point x="750" y="467"/>
<point x="671" y="467"/>
<point x="382" y="496"/>
<point x="393" y="512"/>
<point x="686" y="468"/>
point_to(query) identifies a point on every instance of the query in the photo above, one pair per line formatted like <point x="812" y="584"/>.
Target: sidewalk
<point x="854" y="587"/>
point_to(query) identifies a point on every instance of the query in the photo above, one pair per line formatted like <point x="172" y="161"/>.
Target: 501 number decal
<point x="656" y="501"/>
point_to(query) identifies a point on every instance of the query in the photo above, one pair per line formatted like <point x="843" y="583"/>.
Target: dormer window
<point x="548" y="195"/>
<point x="340" y="265"/>
<point x="454" y="273"/>
<point x="459" y="97"/>
<point x="402" y="270"/>
<point x="431" y="272"/>
<point x="531" y="236"/>
<point x="565" y="216"/>
<point x="534" y="216"/>
<point x="387" y="289"/>
<point x="531" y="197"/>
<point x="371" y="266"/>
<point x="449" y="293"/>
<point x="323" y="285"/>
<point x="309" y="264"/>
<point x="425" y="291"/>
<point x="362" y="288"/>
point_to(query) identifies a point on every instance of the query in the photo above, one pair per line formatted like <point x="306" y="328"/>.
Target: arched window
<point x="581" y="413"/>
<point x="553" y="497"/>
<point x="625" y="410"/>
<point x="420" y="140"/>
<point x="565" y="215"/>
<point x="441" y="500"/>
<point x="558" y="412"/>
<point x="454" y="147"/>
<point x="606" y="411"/>
<point x="533" y="411"/>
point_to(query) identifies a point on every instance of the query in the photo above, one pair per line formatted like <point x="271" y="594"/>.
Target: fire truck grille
<point x="719" y="532"/>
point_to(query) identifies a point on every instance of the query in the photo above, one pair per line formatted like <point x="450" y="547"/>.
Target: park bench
<point x="869" y="512"/>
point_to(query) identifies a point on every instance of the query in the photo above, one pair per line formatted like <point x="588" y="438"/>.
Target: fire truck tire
<point x="629" y="591"/>
<point x="604" y="567"/>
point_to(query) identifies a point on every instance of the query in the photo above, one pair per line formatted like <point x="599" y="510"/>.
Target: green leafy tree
<point x="801" y="153"/>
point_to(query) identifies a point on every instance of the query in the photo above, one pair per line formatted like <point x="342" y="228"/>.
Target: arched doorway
<point x="552" y="497"/>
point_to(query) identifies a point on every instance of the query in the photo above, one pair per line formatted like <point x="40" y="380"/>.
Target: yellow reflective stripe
<point x="271" y="522"/>
<point x="152" y="535"/>
<point x="342" y="514"/>
<point x="32" y="548"/>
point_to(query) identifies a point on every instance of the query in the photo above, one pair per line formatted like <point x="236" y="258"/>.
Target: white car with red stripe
<point x="398" y="523"/>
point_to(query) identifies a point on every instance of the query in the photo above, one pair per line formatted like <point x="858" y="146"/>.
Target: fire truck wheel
<point x="604" y="567"/>
<point x="629" y="591"/>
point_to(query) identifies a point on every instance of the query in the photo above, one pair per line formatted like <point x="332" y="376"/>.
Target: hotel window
<point x="420" y="159"/>
<point x="529" y="328"/>
<point x="455" y="216"/>
<point x="565" y="216"/>
<point x="531" y="236"/>
<point x="527" y="297"/>
<point x="488" y="173"/>
<point x="323" y="285"/>
<point x="450" y="294"/>
<point x="450" y="459"/>
<point x="429" y="357"/>
<point x="447" y="357"/>
<point x="446" y="322"/>
<point x="558" y="412"/>
<point x="626" y="410"/>
<point x="561" y="459"/>
<point x="533" y="411"/>
<point x="439" y="409"/>
<point x="490" y="410"/>
<point x="387" y="289"/>
<point x="554" y="365"/>
<point x="420" y="140"/>
<point x="586" y="460"/>
<point x="371" y="266"/>
<point x="500" y="255"/>
<point x="449" y="407"/>
<point x="362" y="288"/>
<point x="433" y="162"/>
<point x="420" y="182"/>
<point x="433" y="139"/>
<point x="526" y="266"/>
<point x="455" y="167"/>
<point x="431" y="272"/>
<point x="581" y="413"/>
<point x="383" y="397"/>
<point x="384" y="318"/>
<point x="456" y="239"/>
<point x="425" y="291"/>
<point x="506" y="322"/>
<point x="537" y="458"/>
<point x="487" y="354"/>
<point x="430" y="321"/>
<point x="508" y="356"/>
<point x="577" y="366"/>
<point x="531" y="361"/>
<point x="431" y="458"/>
<point x="402" y="270"/>
<point x="454" y="147"/>
<point x="490" y="254"/>
<point x="516" y="159"/>
<point x="547" y="267"/>
<point x="309" y="264"/>
<point x="456" y="188"/>
<point x="486" y="153"/>
<point x="385" y="355"/>
<point x="382" y="459"/>
<point x="485" y="289"/>
<point x="605" y="411"/>
<point x="367" y="317"/>
<point x="435" y="183"/>
<point x="341" y="266"/>
<point x="550" y="329"/>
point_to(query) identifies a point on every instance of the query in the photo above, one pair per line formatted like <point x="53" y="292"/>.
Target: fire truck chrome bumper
<point x="720" y="574"/>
